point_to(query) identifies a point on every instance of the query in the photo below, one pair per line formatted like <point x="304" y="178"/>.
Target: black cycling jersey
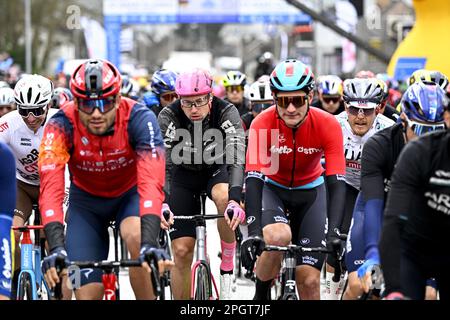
<point x="417" y="214"/>
<point x="247" y="119"/>
<point x="193" y="146"/>
<point x="378" y="160"/>
<point x="318" y="104"/>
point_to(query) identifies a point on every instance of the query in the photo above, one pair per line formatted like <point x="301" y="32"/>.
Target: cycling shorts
<point x="186" y="188"/>
<point x="27" y="195"/>
<point x="307" y="217"/>
<point x="88" y="219"/>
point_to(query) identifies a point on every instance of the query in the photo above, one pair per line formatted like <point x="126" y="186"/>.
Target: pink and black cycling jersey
<point x="130" y="153"/>
<point x="291" y="157"/>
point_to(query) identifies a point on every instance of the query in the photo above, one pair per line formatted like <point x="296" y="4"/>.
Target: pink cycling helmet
<point x="193" y="83"/>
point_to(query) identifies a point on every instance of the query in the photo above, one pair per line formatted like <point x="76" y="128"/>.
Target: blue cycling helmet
<point x="424" y="102"/>
<point x="291" y="75"/>
<point x="163" y="81"/>
<point x="150" y="99"/>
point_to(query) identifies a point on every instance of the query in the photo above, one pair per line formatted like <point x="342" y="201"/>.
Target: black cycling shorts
<point x="307" y="217"/>
<point x="184" y="200"/>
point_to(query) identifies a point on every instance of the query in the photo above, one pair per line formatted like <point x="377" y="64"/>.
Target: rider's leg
<point x="130" y="231"/>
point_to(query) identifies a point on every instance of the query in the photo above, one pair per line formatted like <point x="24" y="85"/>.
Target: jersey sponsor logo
<point x="4" y="126"/>
<point x="250" y="220"/>
<point x="281" y="138"/>
<point x="353" y="165"/>
<point x="7" y="267"/>
<point x="84" y="141"/>
<point x="148" y="204"/>
<point x="25" y="142"/>
<point x="228" y="127"/>
<point x="281" y="150"/>
<point x="358" y="262"/>
<point x="439" y="202"/>
<point x="280" y="219"/>
<point x="309" y="260"/>
<point x="30" y="158"/>
<point x="48" y="141"/>
<point x="305" y="241"/>
<point x="352" y="154"/>
<point x="441" y="178"/>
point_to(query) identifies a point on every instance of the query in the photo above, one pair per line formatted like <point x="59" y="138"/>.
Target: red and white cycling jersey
<point x="24" y="143"/>
<point x="291" y="157"/>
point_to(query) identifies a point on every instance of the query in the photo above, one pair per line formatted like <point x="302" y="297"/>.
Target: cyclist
<point x="423" y="75"/>
<point x="385" y="108"/>
<point x="265" y="64"/>
<point x="362" y="119"/>
<point x="234" y="83"/>
<point x="205" y="152"/>
<point x="7" y="204"/>
<point x="393" y="93"/>
<point x="150" y="100"/>
<point x="422" y="111"/>
<point x="284" y="173"/>
<point x="128" y="88"/>
<point x="6" y="101"/>
<point x="22" y="130"/>
<point x="60" y="97"/>
<point x="163" y="85"/>
<point x="115" y="154"/>
<point x="330" y="94"/>
<point x="260" y="97"/>
<point x="413" y="245"/>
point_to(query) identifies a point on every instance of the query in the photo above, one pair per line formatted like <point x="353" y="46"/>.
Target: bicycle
<point x="202" y="280"/>
<point x="31" y="283"/>
<point x="287" y="284"/>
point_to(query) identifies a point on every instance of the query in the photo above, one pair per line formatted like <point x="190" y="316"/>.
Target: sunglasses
<point x="36" y="112"/>
<point x="103" y="105"/>
<point x="234" y="88"/>
<point x="258" y="107"/>
<point x="169" y="96"/>
<point x="297" y="101"/>
<point x="331" y="99"/>
<point x="422" y="128"/>
<point x="200" y="102"/>
<point x="355" y="111"/>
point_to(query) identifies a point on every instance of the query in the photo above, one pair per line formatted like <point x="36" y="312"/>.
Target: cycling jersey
<point x="417" y="215"/>
<point x="291" y="157"/>
<point x="131" y="152"/>
<point x="7" y="203"/>
<point x="193" y="146"/>
<point x="24" y="143"/>
<point x="353" y="145"/>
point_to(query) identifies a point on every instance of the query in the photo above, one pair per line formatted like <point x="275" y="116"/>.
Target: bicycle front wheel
<point x="203" y="290"/>
<point x="25" y="288"/>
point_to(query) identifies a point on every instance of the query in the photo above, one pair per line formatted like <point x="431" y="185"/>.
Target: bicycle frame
<point x="288" y="284"/>
<point x="30" y="262"/>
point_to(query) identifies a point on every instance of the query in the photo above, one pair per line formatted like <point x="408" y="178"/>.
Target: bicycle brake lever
<point x="155" y="279"/>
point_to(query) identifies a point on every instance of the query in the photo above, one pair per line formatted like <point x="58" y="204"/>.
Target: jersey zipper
<point x="294" y="149"/>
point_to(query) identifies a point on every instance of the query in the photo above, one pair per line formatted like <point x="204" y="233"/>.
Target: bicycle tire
<point x="202" y="283"/>
<point x="25" y="288"/>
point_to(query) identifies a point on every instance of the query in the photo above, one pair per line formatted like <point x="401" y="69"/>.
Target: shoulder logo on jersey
<point x="4" y="126"/>
<point x="228" y="127"/>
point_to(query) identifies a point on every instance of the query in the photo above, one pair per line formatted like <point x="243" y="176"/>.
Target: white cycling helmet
<point x="6" y="96"/>
<point x="260" y="91"/>
<point x="33" y="91"/>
